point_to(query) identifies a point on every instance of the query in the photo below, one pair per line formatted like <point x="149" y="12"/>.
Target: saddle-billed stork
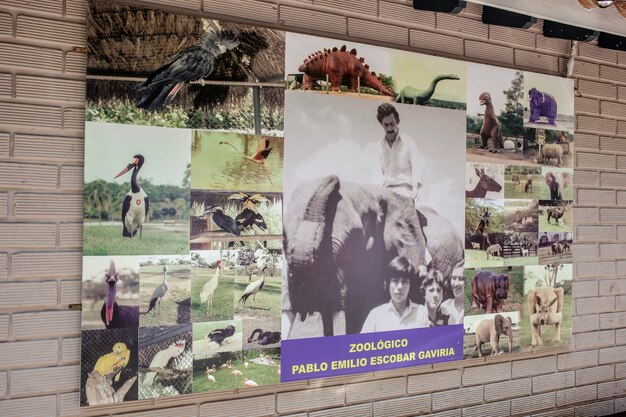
<point x="135" y="205"/>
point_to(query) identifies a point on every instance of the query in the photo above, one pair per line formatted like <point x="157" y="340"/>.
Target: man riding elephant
<point x="338" y="239"/>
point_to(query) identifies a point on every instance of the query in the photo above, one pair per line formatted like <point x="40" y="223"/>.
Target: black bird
<point x="135" y="204"/>
<point x="115" y="316"/>
<point x="224" y="221"/>
<point x="264" y="338"/>
<point x="191" y="64"/>
<point x="218" y="335"/>
<point x="249" y="215"/>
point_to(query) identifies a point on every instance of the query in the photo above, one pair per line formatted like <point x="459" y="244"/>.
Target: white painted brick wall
<point x="41" y="151"/>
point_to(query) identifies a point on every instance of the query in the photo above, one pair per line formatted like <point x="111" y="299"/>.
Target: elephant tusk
<point x="543" y="97"/>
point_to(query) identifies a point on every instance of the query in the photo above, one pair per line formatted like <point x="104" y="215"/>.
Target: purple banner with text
<point x="342" y="355"/>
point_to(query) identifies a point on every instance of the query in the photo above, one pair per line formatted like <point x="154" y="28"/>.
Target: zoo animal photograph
<point x="212" y="277"/>
<point x="493" y="290"/>
<point x="165" y="290"/>
<point x="555" y="216"/>
<point x="176" y="70"/>
<point x="333" y="201"/>
<point x="110" y="292"/>
<point x="491" y="334"/>
<point x="548" y="102"/>
<point x="522" y="182"/>
<point x="257" y="288"/>
<point x="555" y="247"/>
<point x="494" y="115"/>
<point x="108" y="371"/>
<point x="557" y="184"/>
<point x="520" y="215"/>
<point x="229" y="219"/>
<point x="217" y="336"/>
<point x="547" y="321"/>
<point x="550" y="148"/>
<point x="484" y="181"/>
<point x="484" y="225"/>
<point x="242" y="370"/>
<point x="352" y="69"/>
<point x="236" y="161"/>
<point x="520" y="248"/>
<point x="144" y="208"/>
<point x="165" y="361"/>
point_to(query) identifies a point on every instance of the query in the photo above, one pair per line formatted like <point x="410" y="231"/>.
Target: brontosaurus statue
<point x="412" y="94"/>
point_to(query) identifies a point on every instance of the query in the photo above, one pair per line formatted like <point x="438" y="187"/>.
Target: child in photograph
<point x="400" y="312"/>
<point x="432" y="291"/>
<point x="454" y="307"/>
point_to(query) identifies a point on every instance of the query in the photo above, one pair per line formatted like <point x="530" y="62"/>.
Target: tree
<point x="98" y="198"/>
<point x="512" y="117"/>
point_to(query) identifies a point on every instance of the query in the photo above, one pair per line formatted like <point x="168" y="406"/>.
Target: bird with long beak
<point x="224" y="221"/>
<point x="259" y="157"/>
<point x="249" y="216"/>
<point x="113" y="315"/>
<point x="135" y="205"/>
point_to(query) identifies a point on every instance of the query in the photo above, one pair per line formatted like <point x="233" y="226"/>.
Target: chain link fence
<point x="97" y="343"/>
<point x="165" y="370"/>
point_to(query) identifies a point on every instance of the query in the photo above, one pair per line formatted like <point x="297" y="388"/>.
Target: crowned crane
<point x="191" y="64"/>
<point x="135" y="205"/>
<point x="259" y="157"/>
<point x="159" y="292"/>
<point x="249" y="215"/>
<point x="115" y="316"/>
<point x="206" y="295"/>
<point x="161" y="359"/>
<point x="218" y="335"/>
<point x="251" y="290"/>
<point x="223" y="221"/>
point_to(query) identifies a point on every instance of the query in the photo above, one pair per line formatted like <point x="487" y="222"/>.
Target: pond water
<point x="220" y="167"/>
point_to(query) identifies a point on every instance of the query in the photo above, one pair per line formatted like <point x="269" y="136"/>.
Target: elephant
<point x="338" y="239"/>
<point x="542" y="104"/>
<point x="490" y="330"/>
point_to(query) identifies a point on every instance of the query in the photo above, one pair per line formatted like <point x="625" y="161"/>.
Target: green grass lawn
<point x="515" y="300"/>
<point x="267" y="302"/>
<point x="157" y="239"/>
<point x="510" y="188"/>
<point x="223" y="305"/>
<point x="521" y="260"/>
<point x="174" y="306"/>
<point x="224" y="379"/>
<point x="475" y="257"/>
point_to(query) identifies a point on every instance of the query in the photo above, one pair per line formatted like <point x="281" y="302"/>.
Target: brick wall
<point x="41" y="150"/>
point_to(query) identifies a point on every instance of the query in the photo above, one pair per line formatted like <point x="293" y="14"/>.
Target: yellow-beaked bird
<point x="115" y="361"/>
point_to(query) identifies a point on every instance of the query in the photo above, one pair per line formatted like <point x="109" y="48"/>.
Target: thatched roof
<point x="131" y="41"/>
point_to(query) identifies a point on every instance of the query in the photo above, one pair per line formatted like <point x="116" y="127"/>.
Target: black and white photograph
<point x="394" y="213"/>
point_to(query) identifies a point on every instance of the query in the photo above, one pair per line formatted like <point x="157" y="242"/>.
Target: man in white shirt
<point x="400" y="312"/>
<point x="398" y="155"/>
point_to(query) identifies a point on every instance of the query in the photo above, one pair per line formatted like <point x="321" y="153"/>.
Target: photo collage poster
<point x="182" y="267"/>
<point x="196" y="276"/>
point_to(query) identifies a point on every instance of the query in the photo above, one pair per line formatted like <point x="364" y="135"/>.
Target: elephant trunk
<point x="312" y="276"/>
<point x="312" y="233"/>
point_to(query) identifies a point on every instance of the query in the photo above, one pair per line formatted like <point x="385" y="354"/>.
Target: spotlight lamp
<point x="442" y="6"/>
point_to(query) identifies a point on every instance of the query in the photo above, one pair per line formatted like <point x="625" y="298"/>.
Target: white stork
<point x="135" y="205"/>
<point x="206" y="295"/>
